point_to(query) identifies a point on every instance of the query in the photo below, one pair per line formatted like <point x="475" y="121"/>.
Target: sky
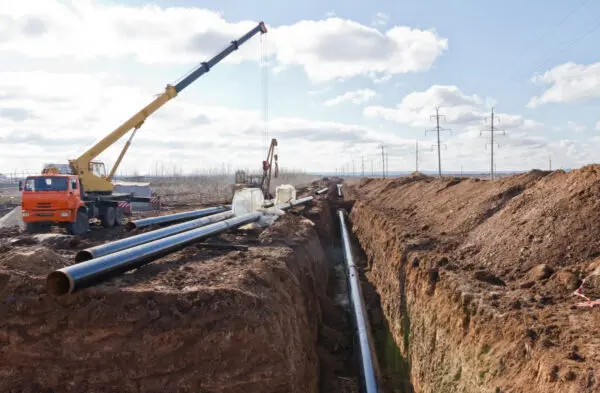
<point x="333" y="81"/>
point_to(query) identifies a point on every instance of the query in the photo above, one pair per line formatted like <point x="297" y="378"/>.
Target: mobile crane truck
<point x="71" y="200"/>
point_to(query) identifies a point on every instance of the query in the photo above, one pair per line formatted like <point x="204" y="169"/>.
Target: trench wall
<point x="194" y="322"/>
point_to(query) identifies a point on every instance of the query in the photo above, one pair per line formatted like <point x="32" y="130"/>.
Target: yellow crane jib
<point x="93" y="174"/>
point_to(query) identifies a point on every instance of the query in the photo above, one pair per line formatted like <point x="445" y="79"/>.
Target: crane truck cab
<point x="54" y="198"/>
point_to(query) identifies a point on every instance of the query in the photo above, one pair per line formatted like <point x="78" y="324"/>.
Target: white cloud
<point x="416" y="108"/>
<point x="356" y="97"/>
<point x="598" y="126"/>
<point x="337" y="48"/>
<point x="575" y="127"/>
<point x="327" y="49"/>
<point x="567" y="82"/>
<point x="58" y="120"/>
<point x="458" y="109"/>
<point x="381" y="19"/>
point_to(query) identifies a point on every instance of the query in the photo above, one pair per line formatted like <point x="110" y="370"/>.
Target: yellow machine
<point x="87" y="192"/>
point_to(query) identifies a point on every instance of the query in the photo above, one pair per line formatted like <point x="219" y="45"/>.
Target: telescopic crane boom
<point x="92" y="174"/>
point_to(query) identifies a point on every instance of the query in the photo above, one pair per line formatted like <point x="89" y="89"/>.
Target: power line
<point x="438" y="129"/>
<point x="492" y="131"/>
<point x="552" y="27"/>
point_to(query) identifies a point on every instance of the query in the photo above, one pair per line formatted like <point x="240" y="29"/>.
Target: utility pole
<point x="387" y="164"/>
<point x="550" y="163"/>
<point x="492" y="131"/>
<point x="363" y="166"/>
<point x="372" y="169"/>
<point x="353" y="171"/>
<point x="417" y="157"/>
<point x="382" y="147"/>
<point x="438" y="129"/>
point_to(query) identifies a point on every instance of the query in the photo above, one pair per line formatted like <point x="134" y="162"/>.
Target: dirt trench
<point x="270" y="319"/>
<point x="476" y="278"/>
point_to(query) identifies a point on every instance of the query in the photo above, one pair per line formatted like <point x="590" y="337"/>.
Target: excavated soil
<point x="198" y="320"/>
<point x="476" y="278"/>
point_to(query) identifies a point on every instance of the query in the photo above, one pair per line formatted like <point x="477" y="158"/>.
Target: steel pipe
<point x="81" y="275"/>
<point x="322" y="191"/>
<point x="109" y="248"/>
<point x="144" y="222"/>
<point x="339" y="190"/>
<point x="369" y="366"/>
<point x="295" y="202"/>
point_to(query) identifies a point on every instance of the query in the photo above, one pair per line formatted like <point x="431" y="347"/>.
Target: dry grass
<point x="213" y="188"/>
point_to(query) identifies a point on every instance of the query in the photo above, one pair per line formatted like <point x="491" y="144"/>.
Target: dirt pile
<point x="195" y="321"/>
<point x="476" y="278"/>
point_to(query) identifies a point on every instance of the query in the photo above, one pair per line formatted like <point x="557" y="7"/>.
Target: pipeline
<point x="322" y="191"/>
<point x="144" y="222"/>
<point x="369" y="366"/>
<point x="81" y="275"/>
<point x="339" y="190"/>
<point x="295" y="202"/>
<point x="109" y="248"/>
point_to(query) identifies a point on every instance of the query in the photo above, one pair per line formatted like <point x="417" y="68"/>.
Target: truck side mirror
<point x="20" y="185"/>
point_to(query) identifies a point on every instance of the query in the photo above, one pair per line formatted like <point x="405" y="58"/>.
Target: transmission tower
<point x="492" y="131"/>
<point x="437" y="130"/>
<point x="363" y="166"/>
<point x="382" y="147"/>
<point x="417" y="157"/>
<point x="387" y="164"/>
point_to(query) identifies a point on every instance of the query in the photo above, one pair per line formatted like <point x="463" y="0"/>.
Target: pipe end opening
<point x="83" y="256"/>
<point x="130" y="226"/>
<point x="58" y="283"/>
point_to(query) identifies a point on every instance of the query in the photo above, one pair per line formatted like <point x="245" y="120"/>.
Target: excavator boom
<point x="82" y="167"/>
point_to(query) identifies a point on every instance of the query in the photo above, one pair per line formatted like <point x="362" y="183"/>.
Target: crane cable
<point x="264" y="89"/>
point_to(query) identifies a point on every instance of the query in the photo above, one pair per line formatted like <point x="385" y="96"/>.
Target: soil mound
<point x="485" y="271"/>
<point x="36" y="261"/>
<point x="195" y="321"/>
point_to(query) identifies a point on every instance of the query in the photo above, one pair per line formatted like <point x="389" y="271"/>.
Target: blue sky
<point x="464" y="56"/>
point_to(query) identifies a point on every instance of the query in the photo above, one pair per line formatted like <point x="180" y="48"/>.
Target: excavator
<point x="243" y="180"/>
<point x="72" y="199"/>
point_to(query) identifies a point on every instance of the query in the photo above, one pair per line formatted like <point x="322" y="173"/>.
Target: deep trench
<point x="394" y="369"/>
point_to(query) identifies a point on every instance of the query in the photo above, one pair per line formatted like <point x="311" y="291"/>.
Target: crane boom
<point x="82" y="166"/>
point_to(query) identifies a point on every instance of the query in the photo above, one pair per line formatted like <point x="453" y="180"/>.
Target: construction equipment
<point x="87" y="192"/>
<point x="243" y="180"/>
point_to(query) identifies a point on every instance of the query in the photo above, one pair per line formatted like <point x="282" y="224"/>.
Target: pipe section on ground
<point x="295" y="202"/>
<point x="144" y="222"/>
<point x="339" y="190"/>
<point x="128" y="242"/>
<point x="369" y="365"/>
<point x="75" y="277"/>
<point x="322" y="191"/>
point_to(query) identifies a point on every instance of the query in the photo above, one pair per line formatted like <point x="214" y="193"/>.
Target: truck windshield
<point x="46" y="184"/>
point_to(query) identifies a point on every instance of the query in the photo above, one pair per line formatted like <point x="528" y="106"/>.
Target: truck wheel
<point x="80" y="226"/>
<point x="120" y="216"/>
<point x="108" y="217"/>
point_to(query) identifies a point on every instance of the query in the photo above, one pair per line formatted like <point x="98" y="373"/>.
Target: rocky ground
<point x="198" y="320"/>
<point x="476" y="278"/>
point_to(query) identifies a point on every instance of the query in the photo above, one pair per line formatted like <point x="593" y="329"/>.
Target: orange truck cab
<point x="58" y="199"/>
<point x="51" y="198"/>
